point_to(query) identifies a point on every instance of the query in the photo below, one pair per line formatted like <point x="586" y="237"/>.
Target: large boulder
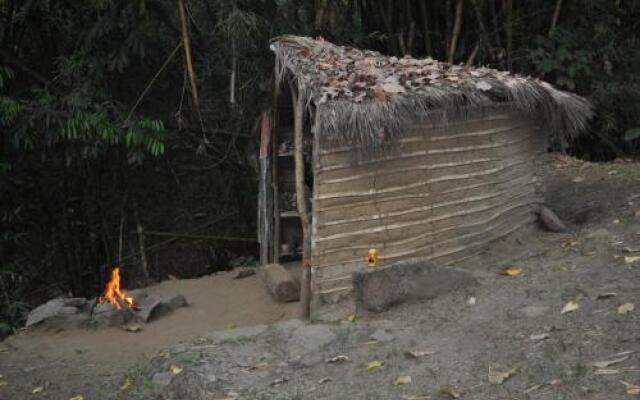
<point x="377" y="289"/>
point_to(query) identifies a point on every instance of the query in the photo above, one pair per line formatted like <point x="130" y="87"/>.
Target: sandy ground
<point x="513" y="328"/>
<point x="216" y="302"/>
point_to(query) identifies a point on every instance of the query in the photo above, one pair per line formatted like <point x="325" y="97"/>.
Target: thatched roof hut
<point x="413" y="157"/>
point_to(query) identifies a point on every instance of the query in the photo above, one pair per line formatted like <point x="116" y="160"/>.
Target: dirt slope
<point x="513" y="324"/>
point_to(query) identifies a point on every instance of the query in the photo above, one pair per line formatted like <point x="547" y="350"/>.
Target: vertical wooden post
<point x="265" y="208"/>
<point x="298" y="129"/>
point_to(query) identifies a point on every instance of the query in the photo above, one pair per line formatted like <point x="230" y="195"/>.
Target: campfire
<point x="115" y="307"/>
<point x="114" y="295"/>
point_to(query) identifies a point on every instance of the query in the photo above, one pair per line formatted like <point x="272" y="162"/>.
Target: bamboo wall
<point x="441" y="193"/>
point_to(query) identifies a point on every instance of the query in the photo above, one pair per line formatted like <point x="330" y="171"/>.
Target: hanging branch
<point x="554" y="19"/>
<point x="457" y="25"/>
<point x="188" y="56"/>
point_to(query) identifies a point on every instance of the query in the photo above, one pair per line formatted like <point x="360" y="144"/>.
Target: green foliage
<point x="562" y="57"/>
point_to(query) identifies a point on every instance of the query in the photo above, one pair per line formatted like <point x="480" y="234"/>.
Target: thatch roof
<point x="361" y="93"/>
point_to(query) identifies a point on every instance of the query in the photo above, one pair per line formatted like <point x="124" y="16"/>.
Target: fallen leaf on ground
<point x="498" y="377"/>
<point x="578" y="179"/>
<point x="38" y="389"/>
<point x="471" y="301"/>
<point x="632" y="389"/>
<point x="510" y="271"/>
<point x="126" y="384"/>
<point x="176" y="369"/>
<point x="607" y="363"/>
<point x="407" y="397"/>
<point x="172" y="277"/>
<point x="279" y="381"/>
<point x="402" y="380"/>
<point x="351" y="318"/>
<point x="616" y="221"/>
<point x="133" y="328"/>
<point x="569" y="307"/>
<point x="539" y="336"/>
<point x="325" y="379"/>
<point x="419" y="353"/>
<point x="449" y="391"/>
<point x="230" y="325"/>
<point x="3" y="383"/>
<point x="630" y="260"/>
<point x="337" y="359"/>
<point x="375" y="364"/>
<point x="259" y="366"/>
<point x="625" y="308"/>
<point x="78" y="397"/>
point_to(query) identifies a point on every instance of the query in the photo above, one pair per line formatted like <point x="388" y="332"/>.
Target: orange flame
<point x="113" y="294"/>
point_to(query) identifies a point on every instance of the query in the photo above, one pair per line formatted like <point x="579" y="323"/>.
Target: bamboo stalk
<point x="554" y="19"/>
<point x="457" y="26"/>
<point x="186" y="43"/>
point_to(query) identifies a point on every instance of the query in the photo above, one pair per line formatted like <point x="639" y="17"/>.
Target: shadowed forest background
<point x="109" y="129"/>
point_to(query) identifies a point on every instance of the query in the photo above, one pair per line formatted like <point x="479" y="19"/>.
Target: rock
<point x="379" y="289"/>
<point x="308" y="339"/>
<point x="162" y="379"/>
<point x="551" y="221"/>
<point x="55" y="308"/>
<point x="280" y="283"/>
<point x="153" y="307"/>
<point x="534" y="311"/>
<point x="381" y="336"/>
<point x="106" y="314"/>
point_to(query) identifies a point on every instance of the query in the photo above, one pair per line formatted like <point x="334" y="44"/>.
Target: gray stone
<point x="381" y="336"/>
<point x="309" y="338"/>
<point x="45" y="311"/>
<point x="162" y="379"/>
<point x="551" y="221"/>
<point x="379" y="289"/>
<point x="534" y="311"/>
<point x="77" y="302"/>
<point x="106" y="314"/>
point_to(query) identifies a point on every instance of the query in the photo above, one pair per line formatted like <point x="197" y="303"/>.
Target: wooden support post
<point x="298" y="129"/>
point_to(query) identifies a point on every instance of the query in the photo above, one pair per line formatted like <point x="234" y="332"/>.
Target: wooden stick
<point x="143" y="253"/>
<point x="305" y="281"/>
<point x="201" y="237"/>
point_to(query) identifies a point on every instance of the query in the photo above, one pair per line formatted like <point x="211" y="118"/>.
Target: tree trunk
<point x="426" y="36"/>
<point x="508" y="6"/>
<point x="298" y="130"/>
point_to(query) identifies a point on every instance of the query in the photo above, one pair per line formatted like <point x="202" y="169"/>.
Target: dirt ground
<point x="70" y="361"/>
<point x="506" y="339"/>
